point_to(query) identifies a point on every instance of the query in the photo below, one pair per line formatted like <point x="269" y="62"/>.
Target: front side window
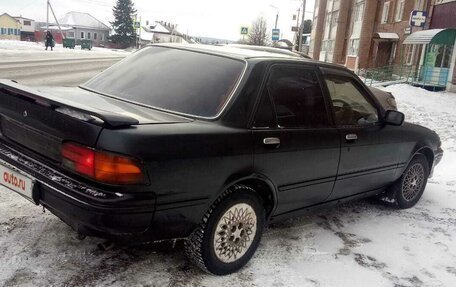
<point x="349" y="105"/>
<point x="171" y="79"/>
<point x="297" y="97"/>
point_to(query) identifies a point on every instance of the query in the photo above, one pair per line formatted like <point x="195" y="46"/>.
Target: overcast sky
<point x="219" y="19"/>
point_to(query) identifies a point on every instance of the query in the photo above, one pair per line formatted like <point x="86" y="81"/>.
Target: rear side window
<point x="297" y="97"/>
<point x="172" y="79"/>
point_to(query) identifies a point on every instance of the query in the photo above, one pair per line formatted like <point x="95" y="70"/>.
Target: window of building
<point x="89" y="36"/>
<point x="349" y="104"/>
<point x="27" y="23"/>
<point x="95" y="36"/>
<point x="409" y="54"/>
<point x="323" y="45"/>
<point x="70" y="35"/>
<point x="297" y="97"/>
<point x="442" y="54"/>
<point x="1" y="31"/>
<point x="354" y="47"/>
<point x="335" y="17"/>
<point x="420" y="4"/>
<point x="399" y="10"/>
<point x="358" y="12"/>
<point x="327" y="46"/>
<point x="385" y="13"/>
<point x="82" y="35"/>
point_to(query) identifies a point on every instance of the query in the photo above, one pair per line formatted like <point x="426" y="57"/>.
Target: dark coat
<point x="49" y="40"/>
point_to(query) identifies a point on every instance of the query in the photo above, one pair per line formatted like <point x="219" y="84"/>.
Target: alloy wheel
<point x="235" y="232"/>
<point x="413" y="181"/>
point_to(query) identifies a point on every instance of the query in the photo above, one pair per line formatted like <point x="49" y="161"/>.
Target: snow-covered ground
<point x="13" y="50"/>
<point x="363" y="243"/>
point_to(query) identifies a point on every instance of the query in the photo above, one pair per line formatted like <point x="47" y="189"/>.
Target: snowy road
<point x="30" y="64"/>
<point x="358" y="244"/>
<point x="55" y="72"/>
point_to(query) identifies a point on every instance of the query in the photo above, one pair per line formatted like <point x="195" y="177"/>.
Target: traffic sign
<point x="418" y="18"/>
<point x="275" y="34"/>
<point x="244" y="30"/>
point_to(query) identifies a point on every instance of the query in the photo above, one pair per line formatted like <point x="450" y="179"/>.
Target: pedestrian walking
<point x="49" y="40"/>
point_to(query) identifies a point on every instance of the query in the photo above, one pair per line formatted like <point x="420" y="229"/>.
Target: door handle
<point x="271" y="141"/>
<point x="351" y="137"/>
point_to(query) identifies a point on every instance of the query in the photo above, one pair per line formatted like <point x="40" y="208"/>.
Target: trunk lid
<point x="41" y="119"/>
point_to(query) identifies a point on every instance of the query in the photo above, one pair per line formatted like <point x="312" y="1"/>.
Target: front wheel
<point x="230" y="232"/>
<point x="409" y="188"/>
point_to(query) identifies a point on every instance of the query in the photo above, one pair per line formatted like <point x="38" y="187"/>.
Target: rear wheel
<point x="230" y="232"/>
<point x="409" y="188"/>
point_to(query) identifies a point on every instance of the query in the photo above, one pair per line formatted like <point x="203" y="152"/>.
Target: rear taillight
<point x="102" y="166"/>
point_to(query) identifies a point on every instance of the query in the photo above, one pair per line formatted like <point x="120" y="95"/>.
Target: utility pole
<point x="47" y="15"/>
<point x="56" y="21"/>
<point x="277" y="15"/>
<point x="297" y="29"/>
<point x="301" y="27"/>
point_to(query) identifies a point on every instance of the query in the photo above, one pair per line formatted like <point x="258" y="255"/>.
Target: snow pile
<point x="362" y="244"/>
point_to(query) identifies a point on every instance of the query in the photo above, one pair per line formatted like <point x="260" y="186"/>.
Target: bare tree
<point x="258" y="34"/>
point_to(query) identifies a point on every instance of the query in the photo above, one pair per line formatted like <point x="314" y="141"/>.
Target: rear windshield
<point x="172" y="79"/>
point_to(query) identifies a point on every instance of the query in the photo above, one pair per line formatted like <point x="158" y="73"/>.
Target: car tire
<point x="229" y="233"/>
<point x="409" y="188"/>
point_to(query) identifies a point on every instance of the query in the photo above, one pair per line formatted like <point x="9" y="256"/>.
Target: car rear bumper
<point x="88" y="210"/>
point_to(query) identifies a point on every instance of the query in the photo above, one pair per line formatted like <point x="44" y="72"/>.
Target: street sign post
<point x="275" y="34"/>
<point x="244" y="30"/>
<point x="418" y="18"/>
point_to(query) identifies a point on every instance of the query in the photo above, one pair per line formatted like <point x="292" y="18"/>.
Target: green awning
<point x="433" y="36"/>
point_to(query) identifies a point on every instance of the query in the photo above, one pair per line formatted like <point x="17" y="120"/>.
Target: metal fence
<point x="424" y="76"/>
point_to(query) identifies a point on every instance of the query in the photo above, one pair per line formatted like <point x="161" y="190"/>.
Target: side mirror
<point x="394" y="118"/>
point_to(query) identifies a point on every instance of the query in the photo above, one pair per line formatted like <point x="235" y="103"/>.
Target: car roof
<point x="246" y="54"/>
<point x="265" y="49"/>
<point x="234" y="52"/>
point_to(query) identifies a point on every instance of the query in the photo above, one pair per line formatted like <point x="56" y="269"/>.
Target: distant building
<point x="27" y="28"/>
<point x="432" y="52"/>
<point x="162" y="32"/>
<point x="79" y="26"/>
<point x="10" y="28"/>
<point x="444" y="14"/>
<point x="363" y="33"/>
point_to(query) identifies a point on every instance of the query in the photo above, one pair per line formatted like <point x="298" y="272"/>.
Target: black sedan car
<point x="208" y="144"/>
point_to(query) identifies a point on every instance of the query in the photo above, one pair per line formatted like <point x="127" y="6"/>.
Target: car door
<point x="295" y="145"/>
<point x="369" y="149"/>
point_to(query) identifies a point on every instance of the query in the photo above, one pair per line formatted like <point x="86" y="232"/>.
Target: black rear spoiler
<point x="109" y="118"/>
